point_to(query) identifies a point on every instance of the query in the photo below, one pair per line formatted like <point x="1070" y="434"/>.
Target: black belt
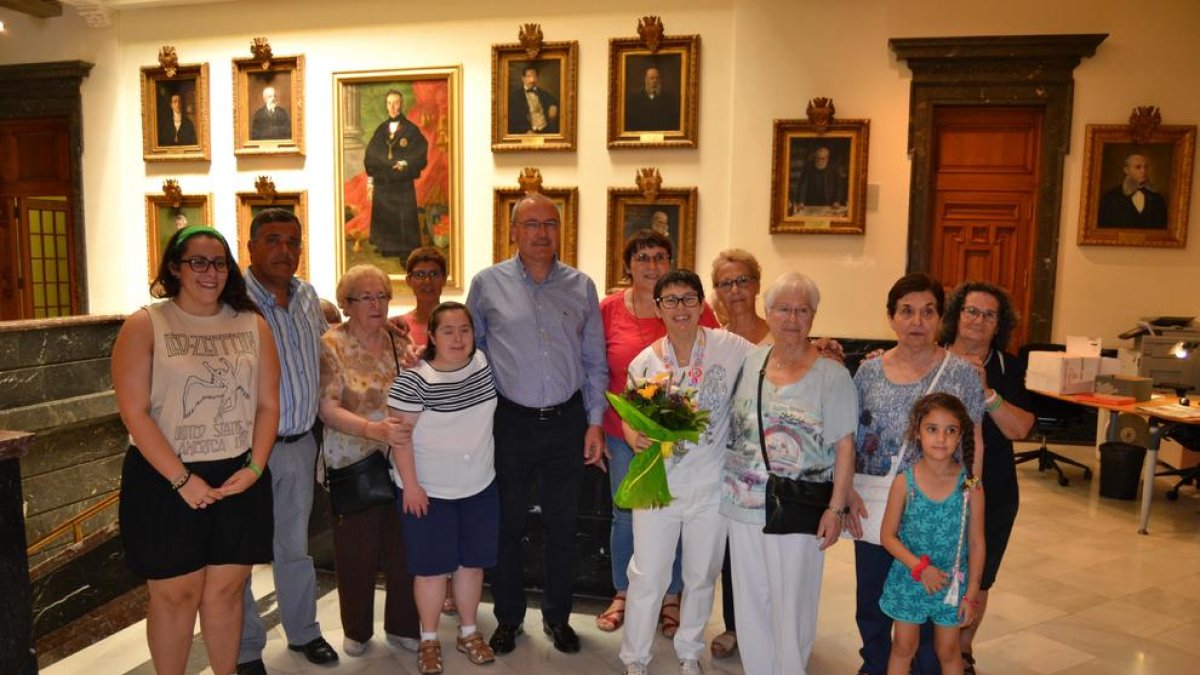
<point x="291" y="439"/>
<point x="546" y="413"/>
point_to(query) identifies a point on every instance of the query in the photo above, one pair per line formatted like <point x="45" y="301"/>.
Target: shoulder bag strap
<point x="928" y="390"/>
<point x="395" y="359"/>
<point x="762" y="437"/>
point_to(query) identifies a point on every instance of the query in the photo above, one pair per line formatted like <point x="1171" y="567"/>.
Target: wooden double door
<point x="986" y="170"/>
<point x="38" y="277"/>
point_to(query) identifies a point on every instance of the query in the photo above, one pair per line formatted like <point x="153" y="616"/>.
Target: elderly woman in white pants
<point x="804" y="408"/>
<point x="706" y="360"/>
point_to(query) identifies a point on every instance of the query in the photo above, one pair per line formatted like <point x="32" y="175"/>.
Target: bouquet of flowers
<point x="666" y="414"/>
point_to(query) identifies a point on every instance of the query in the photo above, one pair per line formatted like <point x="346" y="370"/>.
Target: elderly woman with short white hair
<point x="360" y="358"/>
<point x="798" y="410"/>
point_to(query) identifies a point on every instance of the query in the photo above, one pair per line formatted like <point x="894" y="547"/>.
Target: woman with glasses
<point x="735" y="278"/>
<point x="798" y="409"/>
<point x="425" y="274"/>
<point x="888" y="387"/>
<point x="630" y="325"/>
<point x="706" y="361"/>
<point x="447" y="474"/>
<point x="359" y="360"/>
<point x="197" y="385"/>
<point x="978" y="324"/>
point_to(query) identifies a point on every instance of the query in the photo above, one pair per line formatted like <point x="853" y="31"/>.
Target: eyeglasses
<point x="382" y="298"/>
<point x="673" y="301"/>
<point x="533" y="225"/>
<point x="741" y="281"/>
<point x="783" y="311"/>
<point x="657" y="258"/>
<point x="421" y="275"/>
<point x="199" y="263"/>
<point x="987" y="315"/>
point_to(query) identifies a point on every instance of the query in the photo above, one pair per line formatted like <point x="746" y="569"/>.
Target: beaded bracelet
<point x="920" y="567"/>
<point x="182" y="480"/>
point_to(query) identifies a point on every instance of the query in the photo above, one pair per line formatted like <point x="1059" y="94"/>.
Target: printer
<point x="1169" y="350"/>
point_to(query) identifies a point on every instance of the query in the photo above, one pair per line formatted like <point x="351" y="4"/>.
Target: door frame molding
<point x="1016" y="70"/>
<point x="40" y="90"/>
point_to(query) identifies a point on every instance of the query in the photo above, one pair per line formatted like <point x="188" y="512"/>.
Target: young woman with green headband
<point x="197" y="384"/>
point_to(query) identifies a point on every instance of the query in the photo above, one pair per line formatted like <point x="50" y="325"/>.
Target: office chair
<point x="1049" y="415"/>
<point x="1189" y="437"/>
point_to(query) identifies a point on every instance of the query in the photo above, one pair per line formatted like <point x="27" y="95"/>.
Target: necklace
<point x="695" y="369"/>
<point x="638" y="321"/>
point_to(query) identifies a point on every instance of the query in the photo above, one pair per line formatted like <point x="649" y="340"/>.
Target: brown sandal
<point x="429" y="657"/>
<point x="724" y="645"/>
<point x="477" y="651"/>
<point x="668" y="616"/>
<point x="613" y="617"/>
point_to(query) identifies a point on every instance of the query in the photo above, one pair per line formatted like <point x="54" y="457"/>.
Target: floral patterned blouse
<point x="359" y="381"/>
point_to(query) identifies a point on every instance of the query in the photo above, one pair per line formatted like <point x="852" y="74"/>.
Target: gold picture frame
<point x="545" y="118"/>
<point x="426" y="209"/>
<point x="567" y="201"/>
<point x="268" y="106"/>
<point x="637" y="67"/>
<point x="1163" y="220"/>
<point x="163" y="137"/>
<point x="249" y="204"/>
<point x="669" y="210"/>
<point x="164" y="215"/>
<point x="822" y="163"/>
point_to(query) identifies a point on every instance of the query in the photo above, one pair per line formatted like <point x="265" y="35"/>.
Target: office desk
<point x="1159" y="425"/>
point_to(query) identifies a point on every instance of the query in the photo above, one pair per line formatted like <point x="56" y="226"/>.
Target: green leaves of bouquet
<point x="667" y="414"/>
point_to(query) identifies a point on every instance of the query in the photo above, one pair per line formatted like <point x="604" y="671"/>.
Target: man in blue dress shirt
<point x="293" y="311"/>
<point x="539" y="323"/>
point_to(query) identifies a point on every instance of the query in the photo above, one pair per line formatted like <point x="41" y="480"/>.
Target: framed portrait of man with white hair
<point x="268" y="106"/>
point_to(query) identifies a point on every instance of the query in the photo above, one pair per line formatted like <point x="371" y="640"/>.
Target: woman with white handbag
<point x="887" y="388"/>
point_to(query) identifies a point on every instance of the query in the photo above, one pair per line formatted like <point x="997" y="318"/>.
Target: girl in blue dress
<point x="933" y="527"/>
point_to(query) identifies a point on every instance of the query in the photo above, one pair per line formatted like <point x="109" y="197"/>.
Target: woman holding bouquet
<point x="703" y="363"/>
<point x="803" y="408"/>
<point x="630" y="325"/>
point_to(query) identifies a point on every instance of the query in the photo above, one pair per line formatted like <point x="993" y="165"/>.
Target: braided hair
<point x="951" y="404"/>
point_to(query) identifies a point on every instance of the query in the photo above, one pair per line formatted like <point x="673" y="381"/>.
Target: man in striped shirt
<point x="293" y="311"/>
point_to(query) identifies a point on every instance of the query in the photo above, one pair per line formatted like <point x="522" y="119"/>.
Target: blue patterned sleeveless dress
<point x="929" y="528"/>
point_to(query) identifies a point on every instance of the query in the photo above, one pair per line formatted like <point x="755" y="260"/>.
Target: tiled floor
<point x="1080" y="592"/>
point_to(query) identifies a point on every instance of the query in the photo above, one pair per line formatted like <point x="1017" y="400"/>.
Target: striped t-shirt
<point x="452" y="441"/>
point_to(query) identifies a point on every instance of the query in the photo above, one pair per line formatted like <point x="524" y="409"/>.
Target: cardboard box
<point x="1125" y="385"/>
<point x="1061" y="373"/>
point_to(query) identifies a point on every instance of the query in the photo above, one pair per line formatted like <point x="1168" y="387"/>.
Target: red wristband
<point x="920" y="567"/>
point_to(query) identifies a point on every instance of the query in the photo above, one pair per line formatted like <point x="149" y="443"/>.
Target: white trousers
<point x="692" y="515"/>
<point x="777" y="583"/>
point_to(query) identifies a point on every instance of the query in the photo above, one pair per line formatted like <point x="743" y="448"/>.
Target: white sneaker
<point x="411" y="644"/>
<point x="689" y="667"/>
<point x="354" y="647"/>
<point x="635" y="668"/>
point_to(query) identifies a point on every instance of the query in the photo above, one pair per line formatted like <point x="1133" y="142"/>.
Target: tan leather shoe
<point x="476" y="649"/>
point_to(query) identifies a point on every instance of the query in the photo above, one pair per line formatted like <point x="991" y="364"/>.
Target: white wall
<point x="760" y="60"/>
<point x="840" y="50"/>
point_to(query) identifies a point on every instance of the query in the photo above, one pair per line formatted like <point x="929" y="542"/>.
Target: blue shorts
<point x="453" y="533"/>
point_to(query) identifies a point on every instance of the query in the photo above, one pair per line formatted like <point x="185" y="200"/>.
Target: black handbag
<point x="793" y="506"/>
<point x="360" y="486"/>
